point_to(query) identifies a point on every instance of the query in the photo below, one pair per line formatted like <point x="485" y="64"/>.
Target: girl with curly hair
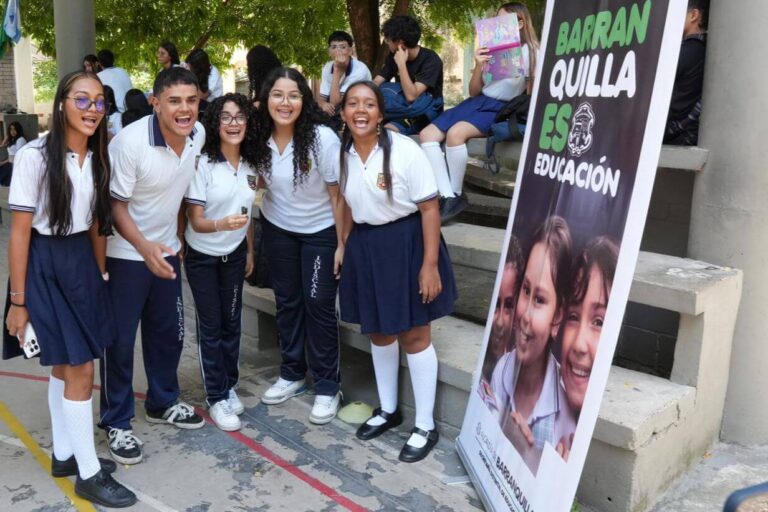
<point x="298" y="157"/>
<point x="220" y="248"/>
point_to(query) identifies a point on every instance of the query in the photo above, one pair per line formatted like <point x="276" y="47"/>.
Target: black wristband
<point x="18" y="305"/>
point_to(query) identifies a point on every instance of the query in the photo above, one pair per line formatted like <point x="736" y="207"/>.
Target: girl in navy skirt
<point x="298" y="156"/>
<point x="397" y="276"/>
<point x="60" y="206"/>
<point x="474" y="116"/>
<point x="220" y="249"/>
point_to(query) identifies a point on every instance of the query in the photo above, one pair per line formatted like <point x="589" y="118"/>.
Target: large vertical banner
<point x="605" y="75"/>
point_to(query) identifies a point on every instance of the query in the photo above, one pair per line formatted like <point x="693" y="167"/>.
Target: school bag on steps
<point x="509" y="125"/>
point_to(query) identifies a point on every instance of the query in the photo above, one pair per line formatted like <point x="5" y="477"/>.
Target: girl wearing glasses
<point x="61" y="217"/>
<point x="220" y="248"/>
<point x="297" y="155"/>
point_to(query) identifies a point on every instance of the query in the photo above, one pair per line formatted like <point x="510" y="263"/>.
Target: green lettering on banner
<point x="574" y="43"/>
<point x="561" y="123"/>
<point x="638" y="23"/>
<point x="619" y="28"/>
<point x="562" y="39"/>
<point x="586" y="33"/>
<point x="547" y="125"/>
<point x="602" y="27"/>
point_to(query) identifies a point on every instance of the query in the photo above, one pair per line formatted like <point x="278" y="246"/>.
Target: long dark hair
<point x="109" y="95"/>
<point x="212" y="120"/>
<point x="19" y="132"/>
<point x="173" y="53"/>
<point x="200" y="65"/>
<point x="385" y="140"/>
<point x="59" y="208"/>
<point x="261" y="60"/>
<point x="304" y="131"/>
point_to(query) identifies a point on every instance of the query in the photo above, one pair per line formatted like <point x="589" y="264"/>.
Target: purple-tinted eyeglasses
<point x="84" y="103"/>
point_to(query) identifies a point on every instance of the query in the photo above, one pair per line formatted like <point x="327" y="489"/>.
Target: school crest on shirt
<point x="381" y="181"/>
<point x="253" y="181"/>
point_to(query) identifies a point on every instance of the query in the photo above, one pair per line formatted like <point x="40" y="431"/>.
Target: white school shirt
<point x="29" y="193"/>
<point x="221" y="190"/>
<point x="15" y="147"/>
<point x="413" y="182"/>
<point x="508" y="88"/>
<point x="356" y="71"/>
<point x="115" y="123"/>
<point x="120" y="82"/>
<point x="215" y="84"/>
<point x="307" y="207"/>
<point x="152" y="179"/>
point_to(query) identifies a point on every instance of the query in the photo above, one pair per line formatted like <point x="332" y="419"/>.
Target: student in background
<point x="220" y="248"/>
<point x="115" y="77"/>
<point x="396" y="276"/>
<point x="167" y="55"/>
<point x="208" y="77"/>
<point x="261" y="60"/>
<point x="153" y="163"/>
<point x="13" y="142"/>
<point x="685" y="106"/>
<point x="298" y="158"/>
<point x="338" y="73"/>
<point x="91" y="63"/>
<point x="417" y="96"/>
<point x="136" y="107"/>
<point x="61" y="217"/>
<point x="114" y="117"/>
<point x="474" y="116"/>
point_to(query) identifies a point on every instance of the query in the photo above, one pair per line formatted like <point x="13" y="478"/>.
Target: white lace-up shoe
<point x="325" y="408"/>
<point x="282" y="390"/>
<point x="234" y="403"/>
<point x="224" y="417"/>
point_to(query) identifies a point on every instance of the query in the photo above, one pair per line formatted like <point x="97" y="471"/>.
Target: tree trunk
<point x="364" y="21"/>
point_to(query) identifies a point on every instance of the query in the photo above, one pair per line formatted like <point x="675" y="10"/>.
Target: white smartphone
<point x="31" y="347"/>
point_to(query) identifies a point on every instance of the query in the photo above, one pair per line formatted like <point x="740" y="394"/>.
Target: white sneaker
<point x="282" y="390"/>
<point x="325" y="408"/>
<point x="234" y="403"/>
<point x="224" y="417"/>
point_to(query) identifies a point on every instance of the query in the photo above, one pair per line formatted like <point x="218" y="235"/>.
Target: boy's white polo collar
<point x="156" y="135"/>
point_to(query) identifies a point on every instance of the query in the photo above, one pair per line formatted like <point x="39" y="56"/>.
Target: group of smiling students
<point x="99" y="233"/>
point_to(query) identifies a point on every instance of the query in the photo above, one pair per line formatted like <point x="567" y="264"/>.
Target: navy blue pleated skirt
<point x="379" y="287"/>
<point x="67" y="300"/>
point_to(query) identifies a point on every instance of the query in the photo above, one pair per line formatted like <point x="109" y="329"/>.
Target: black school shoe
<point x="412" y="454"/>
<point x="366" y="431"/>
<point x="452" y="207"/>
<point x="62" y="468"/>
<point x="104" y="490"/>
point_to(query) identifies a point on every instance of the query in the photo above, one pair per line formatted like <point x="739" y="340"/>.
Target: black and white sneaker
<point x="124" y="447"/>
<point x="180" y="415"/>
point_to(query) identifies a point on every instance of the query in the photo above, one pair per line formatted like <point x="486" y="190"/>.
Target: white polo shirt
<point x="15" y="147"/>
<point x="215" y="84"/>
<point x="29" y="192"/>
<point x="305" y="208"/>
<point x="221" y="190"/>
<point x="413" y="182"/>
<point x="356" y="71"/>
<point x="152" y="179"/>
<point x="120" y="82"/>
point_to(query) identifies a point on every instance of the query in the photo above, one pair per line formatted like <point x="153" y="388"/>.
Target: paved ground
<point x="279" y="461"/>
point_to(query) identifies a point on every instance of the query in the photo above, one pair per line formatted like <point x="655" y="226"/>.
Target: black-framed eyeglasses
<point x="229" y="118"/>
<point x="84" y="103"/>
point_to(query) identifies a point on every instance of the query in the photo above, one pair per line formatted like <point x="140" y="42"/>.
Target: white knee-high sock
<point x="423" y="369"/>
<point x="457" y="158"/>
<point x="62" y="449"/>
<point x="437" y="161"/>
<point x="78" y="418"/>
<point x="386" y="365"/>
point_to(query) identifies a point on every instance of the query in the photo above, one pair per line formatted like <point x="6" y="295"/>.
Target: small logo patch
<point x="253" y="181"/>
<point x="381" y="182"/>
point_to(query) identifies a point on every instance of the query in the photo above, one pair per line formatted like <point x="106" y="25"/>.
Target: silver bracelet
<point x="14" y="294"/>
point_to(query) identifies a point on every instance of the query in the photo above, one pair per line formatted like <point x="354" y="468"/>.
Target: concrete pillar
<point x="729" y="218"/>
<point x="75" y="29"/>
<point x="25" y="90"/>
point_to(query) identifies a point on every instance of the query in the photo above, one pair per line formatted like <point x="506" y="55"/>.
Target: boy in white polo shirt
<point x="339" y="73"/>
<point x="153" y="162"/>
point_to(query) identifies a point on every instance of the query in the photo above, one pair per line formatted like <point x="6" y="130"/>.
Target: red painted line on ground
<point x="249" y="443"/>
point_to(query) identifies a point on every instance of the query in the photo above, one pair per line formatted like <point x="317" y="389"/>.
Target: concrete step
<point x="502" y="183"/>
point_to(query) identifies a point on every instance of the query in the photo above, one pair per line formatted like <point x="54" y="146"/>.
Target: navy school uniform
<point x="299" y="237"/>
<point x="65" y="294"/>
<point x="152" y="179"/>
<point x="215" y="266"/>
<point x="379" y="286"/>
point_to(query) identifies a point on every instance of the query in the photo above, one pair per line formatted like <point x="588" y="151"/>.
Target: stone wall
<point x="7" y="81"/>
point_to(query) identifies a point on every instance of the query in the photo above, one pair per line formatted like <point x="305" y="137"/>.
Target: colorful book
<point x="502" y="37"/>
